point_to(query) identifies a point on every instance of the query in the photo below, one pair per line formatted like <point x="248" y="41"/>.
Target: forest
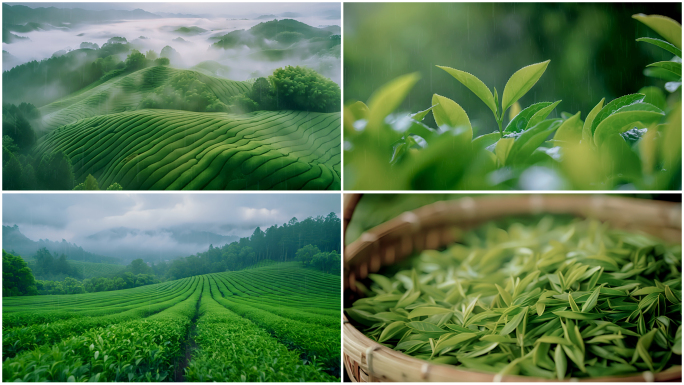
<point x="315" y="242"/>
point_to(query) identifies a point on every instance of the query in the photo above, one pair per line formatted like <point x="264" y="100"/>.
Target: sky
<point x="74" y="217"/>
<point x="213" y="9"/>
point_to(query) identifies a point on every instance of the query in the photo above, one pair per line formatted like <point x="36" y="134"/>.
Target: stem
<point x="499" y="121"/>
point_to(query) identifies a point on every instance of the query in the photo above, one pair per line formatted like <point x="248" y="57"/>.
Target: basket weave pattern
<point x="440" y="224"/>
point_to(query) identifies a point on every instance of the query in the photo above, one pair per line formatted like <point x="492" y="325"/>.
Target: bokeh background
<point x="592" y="49"/>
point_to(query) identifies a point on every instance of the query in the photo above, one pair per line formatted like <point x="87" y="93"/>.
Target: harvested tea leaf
<point x="548" y="298"/>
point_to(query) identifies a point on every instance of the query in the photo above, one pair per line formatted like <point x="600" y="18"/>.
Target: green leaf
<point x="382" y="281"/>
<point x="502" y="149"/>
<point x="662" y="44"/>
<point x="530" y="140"/>
<point x="392" y="330"/>
<point x="521" y="82"/>
<point x="519" y="122"/>
<point x="677" y="345"/>
<point x="553" y="340"/>
<point x="613" y="107"/>
<point x="388" y="97"/>
<point x="420" y="115"/>
<point x="623" y="121"/>
<point x="643" y="345"/>
<point x="573" y="305"/>
<point x="591" y="301"/>
<point x="668" y="28"/>
<point x="541" y="115"/>
<point x="561" y="362"/>
<point x="578" y="315"/>
<point x="674" y="67"/>
<point x="454" y="341"/>
<point x="587" y="129"/>
<point x="504" y="294"/>
<point x="427" y="327"/>
<point x="513" y="323"/>
<point x="427" y="311"/>
<point x="486" y="140"/>
<point x="448" y="113"/>
<point x="475" y="85"/>
<point x="570" y="131"/>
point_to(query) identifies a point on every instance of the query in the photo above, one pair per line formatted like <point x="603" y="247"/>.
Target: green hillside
<point x="126" y="93"/>
<point x="171" y="149"/>
<point x="202" y="328"/>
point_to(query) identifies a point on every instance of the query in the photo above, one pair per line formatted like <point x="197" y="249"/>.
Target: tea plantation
<point x="279" y="322"/>
<point x="172" y="149"/>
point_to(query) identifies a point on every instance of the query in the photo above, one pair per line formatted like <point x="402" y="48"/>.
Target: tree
<point x="241" y="104"/>
<point x="262" y="93"/>
<point x="15" y="124"/>
<point x="17" y="278"/>
<point x="11" y="172"/>
<point x="135" y="61"/>
<point x="55" y="172"/>
<point x="138" y="266"/>
<point x="115" y="186"/>
<point x="301" y="88"/>
<point x="151" y="55"/>
<point x="306" y="254"/>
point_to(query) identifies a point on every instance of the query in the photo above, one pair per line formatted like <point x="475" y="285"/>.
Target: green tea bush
<point x="633" y="142"/>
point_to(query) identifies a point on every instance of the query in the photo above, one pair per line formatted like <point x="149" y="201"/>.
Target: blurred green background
<point x="592" y="49"/>
<point x="375" y="209"/>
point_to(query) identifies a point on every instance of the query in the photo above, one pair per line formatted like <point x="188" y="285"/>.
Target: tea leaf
<point x="420" y="115"/>
<point x="578" y="315"/>
<point x="588" y="128"/>
<point x="613" y="107"/>
<point x="668" y="28"/>
<point x="561" y="362"/>
<point x="428" y="310"/>
<point x="570" y="131"/>
<point x="519" y="122"/>
<point x="662" y="44"/>
<point x="422" y="326"/>
<point x="642" y="348"/>
<point x="448" y="113"/>
<point x="623" y="121"/>
<point x="392" y="330"/>
<point x="475" y="85"/>
<point x="541" y="115"/>
<point x="388" y="97"/>
<point x="591" y="302"/>
<point x="504" y="295"/>
<point x="674" y="67"/>
<point x="521" y="82"/>
<point x="513" y="323"/>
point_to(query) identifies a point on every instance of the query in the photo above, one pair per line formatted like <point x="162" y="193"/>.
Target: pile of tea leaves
<point x="553" y="299"/>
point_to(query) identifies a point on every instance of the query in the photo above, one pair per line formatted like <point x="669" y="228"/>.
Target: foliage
<point x="135" y="60"/>
<point x="306" y="254"/>
<point x="115" y="186"/>
<point x="240" y="104"/>
<point x="280" y="243"/>
<point x="48" y="266"/>
<point x="55" y="172"/>
<point x="223" y="338"/>
<point x="16" y="124"/>
<point x="17" y="278"/>
<point x="628" y="143"/>
<point x="185" y="91"/>
<point x="327" y="262"/>
<point x="262" y="93"/>
<point x="300" y="88"/>
<point x="614" y="308"/>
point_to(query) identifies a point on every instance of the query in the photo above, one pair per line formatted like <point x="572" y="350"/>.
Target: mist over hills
<point x="117" y="245"/>
<point x="14" y="240"/>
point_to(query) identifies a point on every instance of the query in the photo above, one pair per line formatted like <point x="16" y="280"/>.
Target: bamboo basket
<point x="437" y="225"/>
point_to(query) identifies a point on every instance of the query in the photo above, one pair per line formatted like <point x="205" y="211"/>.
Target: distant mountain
<point x="264" y="17"/>
<point x="285" y="31"/>
<point x="64" y="17"/>
<point x="14" y="240"/>
<point x="181" y="235"/>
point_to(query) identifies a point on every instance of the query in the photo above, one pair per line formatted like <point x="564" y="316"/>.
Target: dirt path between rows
<point x="190" y="346"/>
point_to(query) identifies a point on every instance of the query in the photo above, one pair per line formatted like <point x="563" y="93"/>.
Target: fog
<point x="156" y="226"/>
<point x="158" y="33"/>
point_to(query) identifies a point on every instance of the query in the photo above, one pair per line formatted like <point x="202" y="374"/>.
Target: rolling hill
<point x="126" y="93"/>
<point x="171" y="149"/>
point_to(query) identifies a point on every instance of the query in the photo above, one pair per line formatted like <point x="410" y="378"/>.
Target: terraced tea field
<point x="274" y="323"/>
<point x="125" y="93"/>
<point x="169" y="149"/>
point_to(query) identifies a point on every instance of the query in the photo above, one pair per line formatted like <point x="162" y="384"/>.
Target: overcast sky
<point x="225" y="9"/>
<point x="76" y="216"/>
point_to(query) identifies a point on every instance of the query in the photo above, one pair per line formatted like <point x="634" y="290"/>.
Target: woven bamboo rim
<point x="434" y="226"/>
